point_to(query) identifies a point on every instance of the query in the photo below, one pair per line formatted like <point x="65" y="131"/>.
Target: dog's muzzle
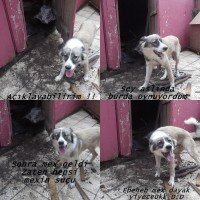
<point x="62" y="147"/>
<point x="68" y="67"/>
<point x="159" y="54"/>
<point x="169" y="155"/>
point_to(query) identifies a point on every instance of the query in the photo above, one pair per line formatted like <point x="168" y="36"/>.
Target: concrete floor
<point x="36" y="71"/>
<point x="39" y="149"/>
<point x="139" y="172"/>
<point x="134" y="77"/>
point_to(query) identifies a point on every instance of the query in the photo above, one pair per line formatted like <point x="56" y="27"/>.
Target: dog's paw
<point x="157" y="174"/>
<point x="58" y="78"/>
<point x="163" y="77"/>
<point x="86" y="78"/>
<point x="172" y="88"/>
<point x="177" y="74"/>
<point x="171" y="183"/>
<point x="141" y="88"/>
<point x="71" y="185"/>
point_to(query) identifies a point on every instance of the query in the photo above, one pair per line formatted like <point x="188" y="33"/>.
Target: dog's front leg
<point x="149" y="69"/>
<point x="158" y="169"/>
<point x="62" y="72"/>
<point x="72" y="184"/>
<point x="172" y="166"/>
<point x="86" y="69"/>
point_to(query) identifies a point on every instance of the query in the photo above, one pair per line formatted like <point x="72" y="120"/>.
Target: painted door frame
<point x="7" y="49"/>
<point x="108" y="127"/>
<point x="65" y="11"/>
<point x="124" y="127"/>
<point x="15" y="16"/>
<point x="5" y="123"/>
<point x="103" y="57"/>
<point x="48" y="108"/>
<point x="111" y="33"/>
<point x="116" y="129"/>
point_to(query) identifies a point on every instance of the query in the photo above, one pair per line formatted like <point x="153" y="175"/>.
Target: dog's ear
<point x="83" y="49"/>
<point x="61" y="52"/>
<point x="70" y="130"/>
<point x="83" y="56"/>
<point x="174" y="142"/>
<point x="143" y="39"/>
<point x="52" y="135"/>
<point x="72" y="137"/>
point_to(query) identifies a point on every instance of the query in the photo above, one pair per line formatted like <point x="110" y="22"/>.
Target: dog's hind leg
<point x="170" y="75"/>
<point x="86" y="68"/>
<point x="175" y="56"/>
<point x="194" y="154"/>
<point x="94" y="155"/>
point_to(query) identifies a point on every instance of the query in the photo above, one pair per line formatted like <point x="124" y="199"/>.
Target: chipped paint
<point x="124" y="127"/>
<point x="17" y="21"/>
<point x="111" y="34"/>
<point x="5" y="124"/>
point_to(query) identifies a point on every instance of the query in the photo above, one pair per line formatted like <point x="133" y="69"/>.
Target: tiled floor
<point x="139" y="173"/>
<point x="39" y="149"/>
<point x="134" y="77"/>
<point x="36" y="71"/>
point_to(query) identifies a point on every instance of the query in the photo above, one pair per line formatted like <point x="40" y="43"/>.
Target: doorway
<point x="27" y="117"/>
<point x="147" y="116"/>
<point x="133" y="23"/>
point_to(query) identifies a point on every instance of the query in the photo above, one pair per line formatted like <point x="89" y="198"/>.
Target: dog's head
<point x="62" y="139"/>
<point x="73" y="54"/>
<point x="154" y="42"/>
<point x="163" y="146"/>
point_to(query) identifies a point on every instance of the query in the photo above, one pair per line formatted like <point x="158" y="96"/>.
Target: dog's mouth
<point x="62" y="149"/>
<point x="69" y="73"/>
<point x="159" y="54"/>
<point x="169" y="156"/>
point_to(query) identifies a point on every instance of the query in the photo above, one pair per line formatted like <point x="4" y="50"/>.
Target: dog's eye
<point x="75" y="57"/>
<point x="66" y="57"/>
<point x="168" y="140"/>
<point x="155" y="42"/>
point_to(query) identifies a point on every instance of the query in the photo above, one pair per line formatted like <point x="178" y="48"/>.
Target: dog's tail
<point x="192" y="120"/>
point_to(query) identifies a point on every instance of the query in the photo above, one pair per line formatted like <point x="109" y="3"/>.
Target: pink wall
<point x="108" y="139"/>
<point x="7" y="51"/>
<point x="183" y="109"/>
<point x="66" y="107"/>
<point x="174" y="17"/>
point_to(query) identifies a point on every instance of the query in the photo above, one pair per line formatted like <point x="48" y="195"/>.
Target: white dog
<point x="158" y="51"/>
<point x="75" y="51"/>
<point x="168" y="142"/>
<point x="70" y="144"/>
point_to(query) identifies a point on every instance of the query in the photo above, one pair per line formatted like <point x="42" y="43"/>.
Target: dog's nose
<point x="168" y="147"/>
<point x="165" y="48"/>
<point x="67" y="67"/>
<point x="61" y="143"/>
